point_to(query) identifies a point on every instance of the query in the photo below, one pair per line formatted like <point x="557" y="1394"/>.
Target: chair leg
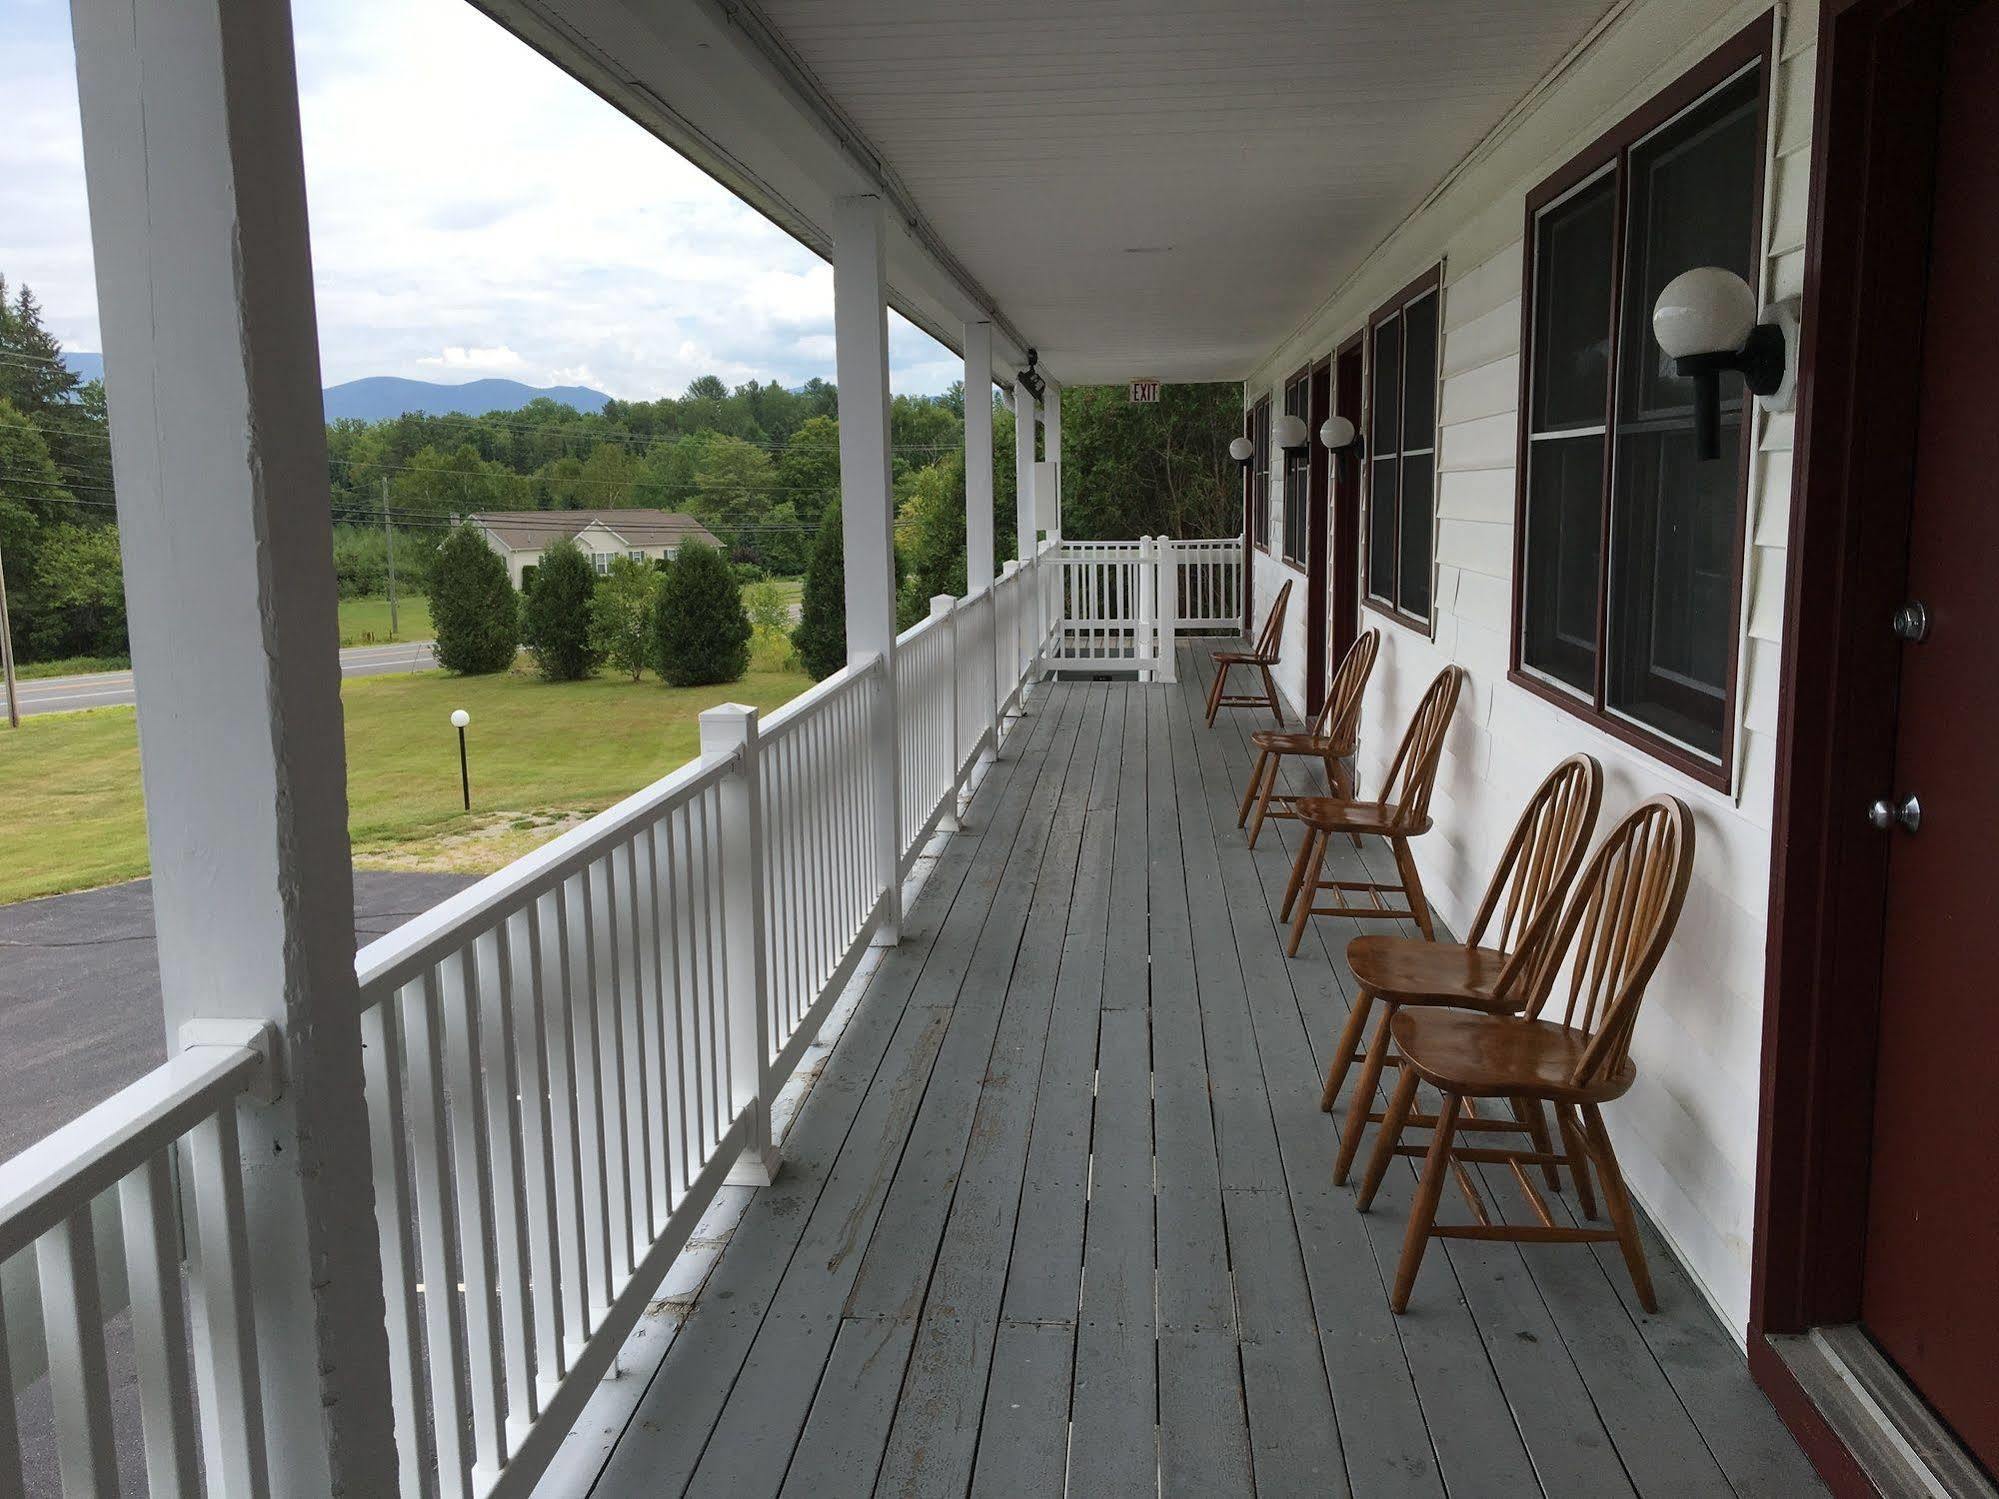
<point x="1412" y="887"/>
<point x="1619" y="1207"/>
<point x="1249" y="792"/>
<point x="1530" y="1113"/>
<point x="1350" y="1035"/>
<point x="1270" y="694"/>
<point x="1263" y="800"/>
<point x="1215" y="692"/>
<point x="1363" y="1096"/>
<point x="1423" y="1212"/>
<point x="1385" y="1142"/>
<point x="1312" y="836"/>
<point x="1308" y="895"/>
<point x="1575" y="1147"/>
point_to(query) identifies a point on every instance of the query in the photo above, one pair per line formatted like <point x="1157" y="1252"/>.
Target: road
<point x="113" y="689"/>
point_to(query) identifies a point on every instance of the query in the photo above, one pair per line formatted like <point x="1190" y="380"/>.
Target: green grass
<point x="366" y="621"/>
<point x="541" y="753"/>
<point x="71" y="666"/>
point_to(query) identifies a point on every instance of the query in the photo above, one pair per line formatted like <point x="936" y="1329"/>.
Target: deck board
<point x="1058" y="1215"/>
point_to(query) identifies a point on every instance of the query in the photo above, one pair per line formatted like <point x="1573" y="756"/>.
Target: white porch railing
<point x="564" y="1063"/>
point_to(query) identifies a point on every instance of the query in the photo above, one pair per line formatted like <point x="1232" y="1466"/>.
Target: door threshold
<point x="1895" y="1438"/>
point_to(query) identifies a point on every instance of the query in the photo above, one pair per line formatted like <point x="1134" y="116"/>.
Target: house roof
<point x="531" y="530"/>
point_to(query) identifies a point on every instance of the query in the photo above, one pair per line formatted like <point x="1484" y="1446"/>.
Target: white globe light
<point x="1336" y="432"/>
<point x="1290" y="432"/>
<point x="1704" y="311"/>
<point x="1242" y="450"/>
<point x="460" y="718"/>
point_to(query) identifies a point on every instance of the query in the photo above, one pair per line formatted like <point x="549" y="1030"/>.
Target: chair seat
<point x="1406" y="971"/>
<point x="1493" y="1056"/>
<point x="1244" y="658"/>
<point x="1331" y="814"/>
<point x="1287" y="742"/>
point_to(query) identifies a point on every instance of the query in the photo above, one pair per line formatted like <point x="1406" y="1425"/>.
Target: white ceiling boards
<point x="1143" y="187"/>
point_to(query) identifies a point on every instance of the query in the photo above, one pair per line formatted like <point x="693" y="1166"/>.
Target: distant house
<point x="520" y="536"/>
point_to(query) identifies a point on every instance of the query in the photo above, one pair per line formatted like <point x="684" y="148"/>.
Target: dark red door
<point x="1931" y="1292"/>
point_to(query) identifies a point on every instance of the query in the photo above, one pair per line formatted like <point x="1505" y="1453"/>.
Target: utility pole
<point x="389" y="530"/>
<point x="7" y="652"/>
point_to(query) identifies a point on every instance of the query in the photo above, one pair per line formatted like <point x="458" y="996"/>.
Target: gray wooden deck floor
<point x="1058" y="1216"/>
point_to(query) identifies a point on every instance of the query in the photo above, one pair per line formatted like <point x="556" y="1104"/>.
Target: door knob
<point x="1886" y="813"/>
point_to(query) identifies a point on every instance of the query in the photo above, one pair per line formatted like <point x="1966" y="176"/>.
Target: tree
<point x="76" y="598"/>
<point x="821" y="636"/>
<point x="473" y="607"/>
<point x="930" y="528"/>
<point x="808" y="470"/>
<point x="701" y="631"/>
<point x="1160" y="469"/>
<point x="556" y="615"/>
<point x="767" y="606"/>
<point x="621" y="615"/>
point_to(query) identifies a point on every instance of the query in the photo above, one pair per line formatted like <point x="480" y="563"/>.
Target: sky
<point x="475" y="212"/>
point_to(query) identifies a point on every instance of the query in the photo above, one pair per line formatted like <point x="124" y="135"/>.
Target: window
<point x="1629" y="548"/>
<point x="601" y="561"/>
<point x="1259" y="473"/>
<point x="1297" y="465"/>
<point x="637" y="554"/>
<point x="1402" y="450"/>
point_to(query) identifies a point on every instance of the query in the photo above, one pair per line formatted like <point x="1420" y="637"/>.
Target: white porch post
<point x="204" y="281"/>
<point x="1051" y="442"/>
<point x="1023" y="473"/>
<point x="978" y="456"/>
<point x="1147" y="639"/>
<point x="944" y="607"/>
<point x="867" y="509"/>
<point x="1168" y="617"/>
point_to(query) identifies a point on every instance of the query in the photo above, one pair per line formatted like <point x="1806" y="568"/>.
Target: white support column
<point x="1169" y="610"/>
<point x="1023" y="472"/>
<point x="1051" y="443"/>
<point x="204" y="283"/>
<point x="867" y="508"/>
<point x="729" y="730"/>
<point x="978" y="456"/>
<point x="943" y="606"/>
<point x="1146" y="639"/>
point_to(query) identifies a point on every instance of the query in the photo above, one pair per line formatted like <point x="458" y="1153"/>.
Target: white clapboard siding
<point x="1687" y="1133"/>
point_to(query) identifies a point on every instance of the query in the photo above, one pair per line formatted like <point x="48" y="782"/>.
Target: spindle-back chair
<point x="1333" y="736"/>
<point x="1263" y="655"/>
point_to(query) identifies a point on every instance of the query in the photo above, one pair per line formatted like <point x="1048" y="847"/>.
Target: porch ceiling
<point x="1139" y="187"/>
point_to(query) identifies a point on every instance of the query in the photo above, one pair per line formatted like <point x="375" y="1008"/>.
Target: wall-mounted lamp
<point x="1242" y="450"/>
<point x="1290" y="433"/>
<point x="1031" y="377"/>
<point x="1706" y="322"/>
<point x="1339" y="434"/>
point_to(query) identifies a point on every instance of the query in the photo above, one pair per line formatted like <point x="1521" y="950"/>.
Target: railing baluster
<point x="472" y="1181"/>
<point x="538" y="1154"/>
<point x="622" y="870"/>
<point x="611" y="1061"/>
<point x="589" y="1083"/>
<point x="79" y="1382"/>
<point x="159" y="1330"/>
<point x="572" y="1205"/>
<point x="225" y="1334"/>
<point x="500" y="1083"/>
<point x="431" y="1173"/>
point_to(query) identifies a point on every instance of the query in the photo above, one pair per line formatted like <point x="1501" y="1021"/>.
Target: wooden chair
<point x="1402" y="813"/>
<point x="1331" y="738"/>
<point x="1492" y="969"/>
<point x="1616" y="926"/>
<point x="1262" y="656"/>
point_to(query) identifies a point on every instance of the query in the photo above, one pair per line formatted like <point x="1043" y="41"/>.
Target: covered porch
<point x="1058" y="1216"/>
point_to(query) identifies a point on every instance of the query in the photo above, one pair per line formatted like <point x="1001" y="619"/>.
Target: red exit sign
<point x="1144" y="392"/>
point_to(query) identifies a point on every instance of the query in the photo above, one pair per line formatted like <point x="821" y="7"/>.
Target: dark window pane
<point x="1417" y="508"/>
<point x="1673" y="523"/>
<point x="1419" y="374"/>
<point x="1386" y="373"/>
<point x="1672" y="624"/>
<point x="1692" y="202"/>
<point x="1381" y="529"/>
<point x="1572" y="281"/>
<point x="1559" y="585"/>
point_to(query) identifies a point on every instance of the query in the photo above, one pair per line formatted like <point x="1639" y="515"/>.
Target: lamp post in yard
<point x="460" y="718"/>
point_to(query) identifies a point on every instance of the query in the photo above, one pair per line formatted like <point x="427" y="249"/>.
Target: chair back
<point x="1339" y="720"/>
<point x="1522" y="905"/>
<point x="1412" y="775"/>
<point x="1617" y="924"/>
<point x="1273" y="627"/>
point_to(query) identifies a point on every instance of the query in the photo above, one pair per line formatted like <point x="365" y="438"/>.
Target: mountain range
<point x="379" y="397"/>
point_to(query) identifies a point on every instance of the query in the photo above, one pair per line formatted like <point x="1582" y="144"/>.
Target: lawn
<point x="542" y="755"/>
<point x="366" y="621"/>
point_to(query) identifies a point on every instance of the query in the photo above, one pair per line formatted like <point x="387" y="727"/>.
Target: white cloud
<point x="455" y="357"/>
<point x="469" y="203"/>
